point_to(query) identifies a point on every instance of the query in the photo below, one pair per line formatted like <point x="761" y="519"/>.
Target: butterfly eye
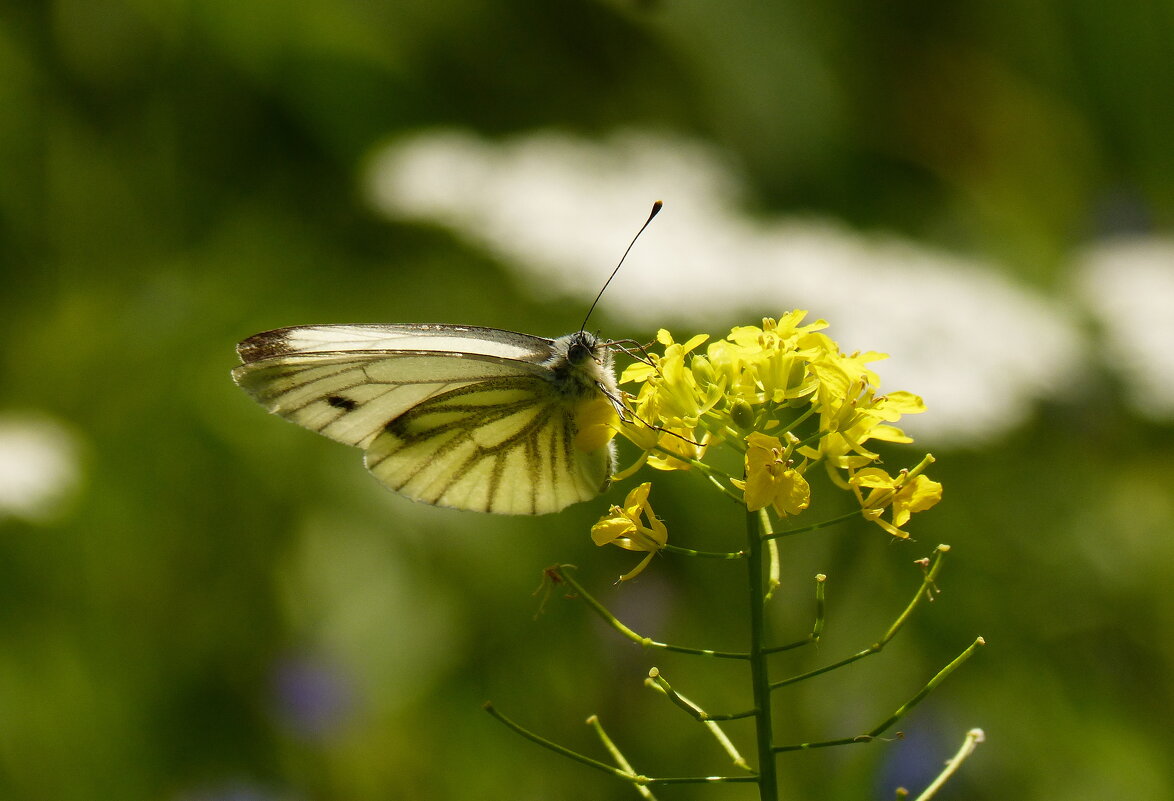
<point x="579" y="352"/>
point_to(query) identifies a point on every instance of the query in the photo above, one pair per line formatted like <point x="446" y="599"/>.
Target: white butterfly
<point x="456" y="416"/>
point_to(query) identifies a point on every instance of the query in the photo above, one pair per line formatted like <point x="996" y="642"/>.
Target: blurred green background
<point x="216" y="606"/>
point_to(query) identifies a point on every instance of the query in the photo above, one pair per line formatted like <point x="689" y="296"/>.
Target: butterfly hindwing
<point x="503" y="446"/>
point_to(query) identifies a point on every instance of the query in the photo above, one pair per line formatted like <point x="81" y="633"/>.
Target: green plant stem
<point x="633" y="778"/>
<point x="618" y="755"/>
<point x="702" y="554"/>
<point x="928" y="688"/>
<point x="768" y="789"/>
<point x="816" y="526"/>
<point x="901" y="712"/>
<point x="973" y="738"/>
<point x="772" y="548"/>
<point x="559" y="749"/>
<point x="647" y="642"/>
<point x="923" y="592"/>
<point x="661" y="685"/>
<point x="701" y="780"/>
<point x="817" y="627"/>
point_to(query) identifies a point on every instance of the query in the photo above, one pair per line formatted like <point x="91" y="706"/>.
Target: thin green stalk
<point x="647" y="642"/>
<point x="817" y="627"/>
<point x="901" y="712"/>
<point x="661" y="685"/>
<point x="973" y="738"/>
<point x="560" y="749"/>
<point x="632" y="778"/>
<point x="618" y="755"/>
<point x="768" y="785"/>
<point x="816" y="526"/>
<point x="772" y="547"/>
<point x="926" y="591"/>
<point x="702" y="780"/>
<point x="923" y="592"/>
<point x="702" y="554"/>
<point x="928" y="688"/>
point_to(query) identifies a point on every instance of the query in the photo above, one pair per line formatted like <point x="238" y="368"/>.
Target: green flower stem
<point x="973" y="738"/>
<point x="720" y="487"/>
<point x="821" y="606"/>
<point x="618" y="755"/>
<point x="647" y="642"/>
<point x="817" y="627"/>
<point x="702" y="554"/>
<point x="816" y="526"/>
<point x="659" y="683"/>
<point x="923" y="592"/>
<point x="863" y="738"/>
<point x="791" y="426"/>
<point x="768" y="785"/>
<point x="633" y="778"/>
<point x="662" y="686"/>
<point x="775" y="573"/>
<point x="702" y="780"/>
<point x="929" y="687"/>
<point x="714" y="475"/>
<point x="901" y="711"/>
<point x="559" y="749"/>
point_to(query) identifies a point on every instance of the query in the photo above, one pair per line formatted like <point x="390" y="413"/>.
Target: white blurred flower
<point x="39" y="467"/>
<point x="1128" y="284"/>
<point x="979" y="348"/>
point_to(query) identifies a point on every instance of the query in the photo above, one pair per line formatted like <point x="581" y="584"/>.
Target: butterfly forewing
<point x="439" y="338"/>
<point x="466" y="417"/>
<point x="349" y="397"/>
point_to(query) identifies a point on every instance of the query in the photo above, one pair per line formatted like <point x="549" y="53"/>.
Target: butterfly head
<point x="581" y="365"/>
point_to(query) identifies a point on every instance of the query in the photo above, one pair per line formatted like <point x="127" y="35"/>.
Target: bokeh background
<point x="201" y="603"/>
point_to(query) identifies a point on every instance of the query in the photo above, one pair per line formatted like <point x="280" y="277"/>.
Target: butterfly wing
<point x="502" y="445"/>
<point x="432" y="338"/>
<point x="454" y="416"/>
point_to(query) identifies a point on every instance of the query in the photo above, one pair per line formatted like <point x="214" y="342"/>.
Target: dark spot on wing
<point x="339" y="402"/>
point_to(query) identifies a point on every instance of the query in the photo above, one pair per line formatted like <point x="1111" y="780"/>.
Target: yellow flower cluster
<point x="785" y="396"/>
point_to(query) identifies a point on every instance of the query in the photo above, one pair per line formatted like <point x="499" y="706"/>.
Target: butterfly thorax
<point x="581" y="365"/>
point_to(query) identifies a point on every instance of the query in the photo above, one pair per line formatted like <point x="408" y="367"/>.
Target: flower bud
<point x="702" y="370"/>
<point x="742" y="414"/>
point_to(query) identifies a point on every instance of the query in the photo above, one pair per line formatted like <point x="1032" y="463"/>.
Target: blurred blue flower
<point x="312" y="697"/>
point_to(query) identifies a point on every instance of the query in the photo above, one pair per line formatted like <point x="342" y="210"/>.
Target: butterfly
<point x="456" y="416"/>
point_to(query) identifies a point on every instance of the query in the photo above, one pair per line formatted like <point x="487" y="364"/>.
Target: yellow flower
<point x="906" y="493"/>
<point x="597" y="421"/>
<point x="633" y="527"/>
<point x="669" y="405"/>
<point x="770" y="479"/>
<point x="783" y="378"/>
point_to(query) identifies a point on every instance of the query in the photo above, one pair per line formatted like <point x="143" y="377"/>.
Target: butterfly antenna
<point x="656" y="207"/>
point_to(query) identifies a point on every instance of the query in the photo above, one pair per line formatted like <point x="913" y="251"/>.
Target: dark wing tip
<point x="262" y="346"/>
